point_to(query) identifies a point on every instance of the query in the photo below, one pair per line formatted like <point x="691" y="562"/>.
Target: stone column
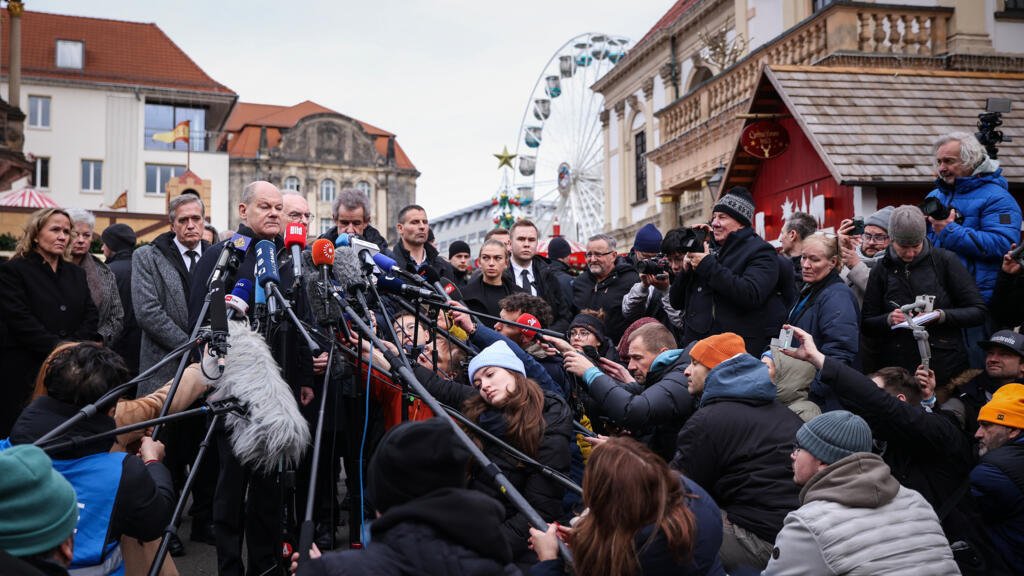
<point x="14" y="9"/>
<point x="623" y="199"/>
<point x="969" y="32"/>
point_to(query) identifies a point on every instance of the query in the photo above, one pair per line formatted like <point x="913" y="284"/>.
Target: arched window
<point x="291" y="183"/>
<point x="364" y="187"/>
<point x="327" y="189"/>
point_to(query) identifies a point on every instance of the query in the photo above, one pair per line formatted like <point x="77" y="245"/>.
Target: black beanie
<point x="591" y="323"/>
<point x="738" y="203"/>
<point x="414" y="459"/>
<point x="558" y="248"/>
<point x="458" y="247"/>
<point x="119" y="237"/>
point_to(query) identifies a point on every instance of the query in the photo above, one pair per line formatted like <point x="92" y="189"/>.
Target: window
<point x="291" y="183"/>
<point x="157" y="176"/>
<point x="640" y="165"/>
<point x="92" y="175"/>
<point x="327" y="188"/>
<point x="1014" y="6"/>
<point x="163" y="118"/>
<point x="364" y="187"/>
<point x="325" y="225"/>
<point x="41" y="177"/>
<point x="39" y="111"/>
<point x="70" y="54"/>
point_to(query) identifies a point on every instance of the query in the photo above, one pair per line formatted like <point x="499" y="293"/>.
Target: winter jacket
<point x="656" y="559"/>
<point x="434" y="262"/>
<point x="974" y="394"/>
<point x="370" y="234"/>
<point x="827" y="534"/>
<point x="424" y="536"/>
<point x="108" y="302"/>
<point x="543" y="493"/>
<point x="736" y="290"/>
<point x="828" y="311"/>
<point x="161" y="288"/>
<point x="935" y="272"/>
<point x="564" y="275"/>
<point x="145" y="498"/>
<point x="857" y="277"/>
<point x="647" y="301"/>
<point x="737" y="446"/>
<point x="926" y="451"/>
<point x="653" y="415"/>
<point x="606" y="295"/>
<point x="481" y="297"/>
<point x="41" y="308"/>
<point x="548" y="288"/>
<point x="997" y="489"/>
<point x="991" y="222"/>
<point x="29" y="566"/>
<point x="120" y="263"/>
<point x="1005" y="308"/>
<point x="793" y="383"/>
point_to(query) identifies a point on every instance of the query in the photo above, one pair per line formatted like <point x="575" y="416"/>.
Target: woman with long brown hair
<point x="642" y="518"/>
<point x="45" y="301"/>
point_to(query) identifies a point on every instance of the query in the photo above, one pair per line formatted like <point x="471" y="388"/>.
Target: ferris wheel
<point x="560" y="147"/>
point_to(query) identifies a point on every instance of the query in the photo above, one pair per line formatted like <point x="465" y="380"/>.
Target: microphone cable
<point x="364" y="535"/>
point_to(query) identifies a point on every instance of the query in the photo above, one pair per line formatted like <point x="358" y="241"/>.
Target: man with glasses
<point x="296" y="208"/>
<point x="860" y="253"/>
<point x="604" y="283"/>
<point x="351" y="214"/>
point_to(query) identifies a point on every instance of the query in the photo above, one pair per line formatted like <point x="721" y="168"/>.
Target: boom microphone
<point x="238" y="301"/>
<point x="295" y="240"/>
<point x="273" y="427"/>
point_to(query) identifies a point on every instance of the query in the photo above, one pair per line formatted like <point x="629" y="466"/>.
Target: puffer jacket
<point x="793" y="383"/>
<point x="424" y="536"/>
<point x="991" y="222"/>
<point x="607" y="295"/>
<point x="655" y="414"/>
<point x="936" y="272"/>
<point x="736" y="290"/>
<point x="737" y="446"/>
<point x="997" y="487"/>
<point x="827" y="535"/>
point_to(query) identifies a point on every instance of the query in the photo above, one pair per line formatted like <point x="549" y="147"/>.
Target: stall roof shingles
<point x="876" y="125"/>
<point x="115" y="52"/>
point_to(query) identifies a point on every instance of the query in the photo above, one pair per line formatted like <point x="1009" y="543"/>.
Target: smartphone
<point x="858" y="226"/>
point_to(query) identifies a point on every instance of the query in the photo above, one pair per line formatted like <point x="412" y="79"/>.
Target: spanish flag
<point x="180" y="132"/>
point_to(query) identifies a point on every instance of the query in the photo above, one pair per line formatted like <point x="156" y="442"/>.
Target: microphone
<point x="266" y="271"/>
<point x="349" y="274"/>
<point x="323" y="257"/>
<point x="387" y="265"/>
<point x="365" y="250"/>
<point x="273" y="429"/>
<point x="530" y="320"/>
<point x="231" y="255"/>
<point x="395" y="285"/>
<point x="295" y="240"/>
<point x="238" y="301"/>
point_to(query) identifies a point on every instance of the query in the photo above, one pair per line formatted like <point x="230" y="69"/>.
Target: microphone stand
<point x="390" y="327"/>
<point x="314" y="348"/>
<point x="454" y="308"/>
<point x="419" y="315"/>
<point x="306" y="530"/>
<point x="403" y="372"/>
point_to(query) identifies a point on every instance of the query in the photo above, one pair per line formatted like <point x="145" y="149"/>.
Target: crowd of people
<point x="698" y="403"/>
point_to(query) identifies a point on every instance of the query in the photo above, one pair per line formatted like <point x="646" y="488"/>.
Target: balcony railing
<point x="849" y="28"/>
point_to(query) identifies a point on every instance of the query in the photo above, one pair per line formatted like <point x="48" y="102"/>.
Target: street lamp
<point x="715" y="181"/>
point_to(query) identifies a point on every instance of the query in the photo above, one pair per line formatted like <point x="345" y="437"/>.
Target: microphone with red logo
<point x="529" y="320"/>
<point x="295" y="241"/>
<point x="323" y="258"/>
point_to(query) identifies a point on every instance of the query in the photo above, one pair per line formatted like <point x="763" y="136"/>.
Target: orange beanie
<point x="1006" y="407"/>
<point x="716" y="349"/>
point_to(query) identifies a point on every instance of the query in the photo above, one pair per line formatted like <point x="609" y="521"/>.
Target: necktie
<point x="524" y="280"/>
<point x="192" y="257"/>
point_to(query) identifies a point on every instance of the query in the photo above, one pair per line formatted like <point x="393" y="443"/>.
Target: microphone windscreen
<point x="242" y="289"/>
<point x="295" y="235"/>
<point x="261" y="295"/>
<point x="239" y="242"/>
<point x="384" y="262"/>
<point x="347" y="269"/>
<point x="240" y="306"/>
<point x="343" y="240"/>
<point x="390" y="283"/>
<point x="529" y="320"/>
<point x="323" y="253"/>
<point x="266" y="263"/>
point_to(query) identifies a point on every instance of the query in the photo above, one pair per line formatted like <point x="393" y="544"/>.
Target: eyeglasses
<point x="579" y="333"/>
<point x="590" y="255"/>
<point x="298" y="215"/>
<point x="875" y="237"/>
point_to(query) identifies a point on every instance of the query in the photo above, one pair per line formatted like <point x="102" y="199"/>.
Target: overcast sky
<point x="449" y="77"/>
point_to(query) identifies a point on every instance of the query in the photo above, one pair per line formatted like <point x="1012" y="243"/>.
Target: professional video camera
<point x="653" y="266"/>
<point x="988" y="121"/>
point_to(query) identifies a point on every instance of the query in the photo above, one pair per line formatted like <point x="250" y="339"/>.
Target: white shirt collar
<point x="182" y="249"/>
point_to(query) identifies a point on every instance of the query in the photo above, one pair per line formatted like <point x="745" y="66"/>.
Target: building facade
<point x="92" y="107"/>
<point x="317" y="151"/>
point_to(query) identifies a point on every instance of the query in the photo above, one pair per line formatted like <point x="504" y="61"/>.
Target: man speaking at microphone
<point x="261" y="214"/>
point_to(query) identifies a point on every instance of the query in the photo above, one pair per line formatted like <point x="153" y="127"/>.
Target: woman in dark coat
<point x="827" y="309"/>
<point x="669" y="526"/>
<point x="45" y="300"/>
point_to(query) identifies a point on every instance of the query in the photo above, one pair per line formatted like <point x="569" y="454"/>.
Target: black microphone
<point x="230" y="257"/>
<point x="218" y="345"/>
<point x="395" y="285"/>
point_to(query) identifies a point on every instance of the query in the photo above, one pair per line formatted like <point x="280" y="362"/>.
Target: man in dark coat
<point x="651" y="399"/>
<point x="558" y="254"/>
<point x="1008" y="294"/>
<point x="412" y="251"/>
<point x="735" y="289"/>
<point x="533" y="274"/>
<point x="1004" y="363"/>
<point x="737" y="445"/>
<point x="997" y="482"/>
<point x="351" y="212"/>
<point x="417" y="478"/>
<point x="118" y="245"/>
<point x="459" y="257"/>
<point x="606" y="281"/>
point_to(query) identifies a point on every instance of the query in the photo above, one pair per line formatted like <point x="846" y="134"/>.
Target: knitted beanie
<point x="880" y="218"/>
<point x="558" y="248"/>
<point x="1006" y="407"/>
<point x="458" y="247"/>
<point x="497" y="354"/>
<point x="414" y="459"/>
<point x="648" y="239"/>
<point x="38" y="508"/>
<point x="592" y="324"/>
<point x="834" y="435"/>
<point x="738" y="203"/>
<point x="907" y="225"/>
<point x="119" y="237"/>
<point x="716" y="349"/>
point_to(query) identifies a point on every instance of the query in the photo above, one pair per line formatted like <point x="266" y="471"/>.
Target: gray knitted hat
<point x="834" y="436"/>
<point x="738" y="203"/>
<point x="907" y="225"/>
<point x="880" y="218"/>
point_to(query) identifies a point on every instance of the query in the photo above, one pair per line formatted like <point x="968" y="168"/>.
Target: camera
<point x="934" y="207"/>
<point x="693" y="239"/>
<point x="858" y="226"/>
<point x="653" y="266"/>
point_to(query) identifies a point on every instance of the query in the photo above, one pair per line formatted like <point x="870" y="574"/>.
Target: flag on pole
<point x="121" y="202"/>
<point x="180" y="132"/>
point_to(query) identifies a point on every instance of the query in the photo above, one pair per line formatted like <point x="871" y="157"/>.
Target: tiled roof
<point x="673" y="14"/>
<point x="115" y="52"/>
<point x="247" y="119"/>
<point x="873" y="125"/>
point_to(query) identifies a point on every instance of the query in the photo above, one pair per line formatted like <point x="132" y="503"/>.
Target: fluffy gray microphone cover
<point x="273" y="428"/>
